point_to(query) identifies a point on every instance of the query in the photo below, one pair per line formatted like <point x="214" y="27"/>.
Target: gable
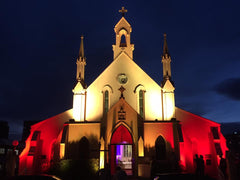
<point x="135" y="77"/>
<point x="123" y="64"/>
<point x="123" y="23"/>
<point x="122" y="114"/>
<point x="126" y="107"/>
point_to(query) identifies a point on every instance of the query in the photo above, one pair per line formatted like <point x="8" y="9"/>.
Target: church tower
<point x="167" y="84"/>
<point x="123" y="38"/>
<point x="79" y="92"/>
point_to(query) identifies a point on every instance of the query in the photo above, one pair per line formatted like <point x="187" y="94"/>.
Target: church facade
<point x="125" y="118"/>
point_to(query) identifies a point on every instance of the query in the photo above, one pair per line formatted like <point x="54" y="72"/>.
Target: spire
<point x="81" y="50"/>
<point x="166" y="60"/>
<point x="81" y="62"/>
<point x="168" y="97"/>
<point x="165" y="47"/>
<point x="79" y="91"/>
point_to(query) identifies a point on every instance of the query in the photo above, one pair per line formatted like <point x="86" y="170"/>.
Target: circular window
<point x="122" y="78"/>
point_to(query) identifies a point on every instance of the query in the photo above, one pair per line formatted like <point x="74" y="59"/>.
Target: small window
<point x="35" y="135"/>
<point x="141" y="103"/>
<point x="106" y="101"/>
<point x="31" y="151"/>
<point x="64" y="134"/>
<point x="215" y="132"/>
<point x="179" y="129"/>
<point x="218" y="149"/>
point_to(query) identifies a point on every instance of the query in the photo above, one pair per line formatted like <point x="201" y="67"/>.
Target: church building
<point x="124" y="118"/>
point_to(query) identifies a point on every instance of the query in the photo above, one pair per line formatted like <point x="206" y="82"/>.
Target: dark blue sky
<point x="40" y="40"/>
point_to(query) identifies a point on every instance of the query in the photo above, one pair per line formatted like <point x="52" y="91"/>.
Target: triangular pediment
<point x="123" y="103"/>
<point x="122" y="113"/>
<point x="123" y="23"/>
<point x="123" y="64"/>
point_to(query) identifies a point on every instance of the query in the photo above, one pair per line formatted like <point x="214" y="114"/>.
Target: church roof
<point x="179" y="110"/>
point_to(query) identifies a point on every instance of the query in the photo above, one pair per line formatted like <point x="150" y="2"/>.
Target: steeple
<point x="81" y="62"/>
<point x="168" y="97"/>
<point x="123" y="38"/>
<point x="165" y="46"/>
<point x="81" y="50"/>
<point x="166" y="60"/>
<point x="79" y="91"/>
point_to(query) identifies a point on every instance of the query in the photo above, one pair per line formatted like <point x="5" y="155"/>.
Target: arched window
<point x="106" y="95"/>
<point x="123" y="41"/>
<point x="160" y="147"/>
<point x="140" y="95"/>
<point x="141" y="103"/>
<point x="106" y="101"/>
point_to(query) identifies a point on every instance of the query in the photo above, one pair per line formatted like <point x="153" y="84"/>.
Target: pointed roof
<point x="168" y="85"/>
<point x="123" y="23"/>
<point x="81" y="50"/>
<point x="165" y="46"/>
<point x="79" y="87"/>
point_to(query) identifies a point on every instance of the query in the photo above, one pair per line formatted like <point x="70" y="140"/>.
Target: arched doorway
<point x="84" y="149"/>
<point x="160" y="147"/>
<point x="121" y="150"/>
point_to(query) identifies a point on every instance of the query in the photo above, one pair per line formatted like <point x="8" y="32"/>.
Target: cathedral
<point x="124" y="118"/>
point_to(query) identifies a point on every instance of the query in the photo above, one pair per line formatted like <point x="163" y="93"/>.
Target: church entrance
<point x="121" y="152"/>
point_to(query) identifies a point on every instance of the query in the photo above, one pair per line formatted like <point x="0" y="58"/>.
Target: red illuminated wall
<point x="198" y="139"/>
<point x="36" y="156"/>
<point x="154" y="129"/>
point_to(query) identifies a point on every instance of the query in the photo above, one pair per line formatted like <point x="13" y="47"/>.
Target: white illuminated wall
<point x="136" y="76"/>
<point x="79" y="102"/>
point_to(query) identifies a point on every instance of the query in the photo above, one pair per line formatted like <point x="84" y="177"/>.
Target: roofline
<point x="132" y="61"/>
<point x="211" y="121"/>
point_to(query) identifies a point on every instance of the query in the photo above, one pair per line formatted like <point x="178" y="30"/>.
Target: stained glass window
<point x="106" y="101"/>
<point x="141" y="104"/>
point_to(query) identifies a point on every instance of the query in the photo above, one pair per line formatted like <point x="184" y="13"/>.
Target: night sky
<point x="39" y="43"/>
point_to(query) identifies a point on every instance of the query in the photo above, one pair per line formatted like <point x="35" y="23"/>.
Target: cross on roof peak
<point x="123" y="11"/>
<point x="121" y="89"/>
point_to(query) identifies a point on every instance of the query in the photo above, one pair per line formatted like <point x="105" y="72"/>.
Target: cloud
<point x="229" y="88"/>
